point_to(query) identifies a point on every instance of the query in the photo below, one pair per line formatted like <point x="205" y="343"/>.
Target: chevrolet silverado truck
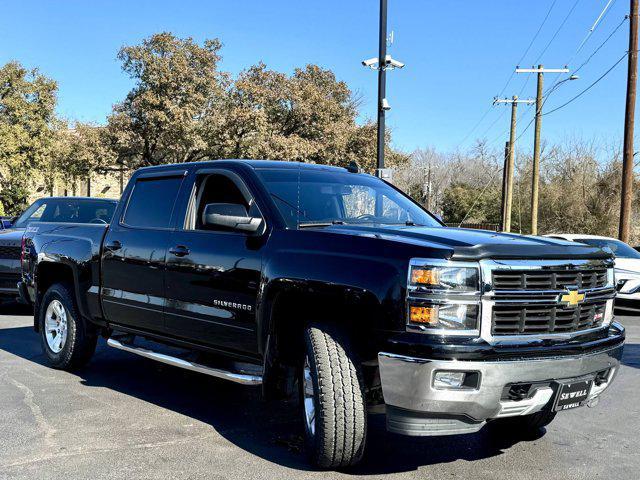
<point x="330" y="286"/>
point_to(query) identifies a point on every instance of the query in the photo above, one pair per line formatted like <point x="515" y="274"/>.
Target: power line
<point x="601" y="45"/>
<point x="605" y="11"/>
<point x="473" y="129"/>
<point x="493" y="123"/>
<point x="557" y="31"/>
<point x="480" y="195"/>
<point x="589" y="87"/>
<point x="572" y="99"/>
<point x="544" y="20"/>
<point x="484" y="115"/>
<point x="603" y="14"/>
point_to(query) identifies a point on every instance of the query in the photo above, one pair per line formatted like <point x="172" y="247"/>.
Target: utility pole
<point x="510" y="160"/>
<point x="629" y="119"/>
<point x="535" y="174"/>
<point x="505" y="174"/>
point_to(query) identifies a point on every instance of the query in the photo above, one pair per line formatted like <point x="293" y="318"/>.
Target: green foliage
<point x="182" y="108"/>
<point x="27" y="102"/>
<point x="471" y="204"/>
<point x="178" y="92"/>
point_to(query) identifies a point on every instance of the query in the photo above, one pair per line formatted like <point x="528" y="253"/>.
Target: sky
<point x="459" y="54"/>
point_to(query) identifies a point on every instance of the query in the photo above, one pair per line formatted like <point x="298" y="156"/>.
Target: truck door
<point x="213" y="273"/>
<point x="133" y="259"/>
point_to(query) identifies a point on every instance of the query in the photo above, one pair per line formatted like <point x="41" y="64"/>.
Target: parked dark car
<point x="6" y="222"/>
<point x="335" y="287"/>
<point x="49" y="209"/>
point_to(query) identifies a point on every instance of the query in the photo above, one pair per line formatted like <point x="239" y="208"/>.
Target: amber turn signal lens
<point x="424" y="276"/>
<point x="424" y="315"/>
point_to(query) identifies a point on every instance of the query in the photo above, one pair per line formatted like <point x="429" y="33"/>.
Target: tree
<point x="471" y="204"/>
<point x="27" y="103"/>
<point x="178" y="91"/>
<point x="81" y="151"/>
<point x="182" y="108"/>
<point x="309" y="116"/>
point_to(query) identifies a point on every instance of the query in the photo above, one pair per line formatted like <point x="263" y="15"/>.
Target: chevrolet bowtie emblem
<point x="572" y="298"/>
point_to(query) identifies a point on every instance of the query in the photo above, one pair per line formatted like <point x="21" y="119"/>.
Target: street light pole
<point x="382" y="63"/>
<point x="382" y="85"/>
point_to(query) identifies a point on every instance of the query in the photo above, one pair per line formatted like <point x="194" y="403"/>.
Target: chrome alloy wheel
<point x="55" y="325"/>
<point x="309" y="401"/>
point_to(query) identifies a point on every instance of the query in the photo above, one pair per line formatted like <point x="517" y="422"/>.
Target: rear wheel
<point x="333" y="401"/>
<point x="66" y="340"/>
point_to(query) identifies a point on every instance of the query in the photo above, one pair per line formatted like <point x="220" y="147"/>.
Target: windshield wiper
<point x="320" y="224"/>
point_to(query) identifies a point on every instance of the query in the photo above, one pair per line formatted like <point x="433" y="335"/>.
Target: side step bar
<point x="244" y="379"/>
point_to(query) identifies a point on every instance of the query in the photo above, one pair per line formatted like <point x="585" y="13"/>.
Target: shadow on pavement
<point x="269" y="430"/>
<point x="15" y="308"/>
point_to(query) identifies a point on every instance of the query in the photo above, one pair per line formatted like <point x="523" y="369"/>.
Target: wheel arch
<point x="49" y="273"/>
<point x="289" y="307"/>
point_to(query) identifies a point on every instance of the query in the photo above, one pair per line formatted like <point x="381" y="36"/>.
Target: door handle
<point x="179" y="251"/>
<point x="113" y="246"/>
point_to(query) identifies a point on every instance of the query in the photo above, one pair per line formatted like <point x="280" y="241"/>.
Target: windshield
<point x="67" y="210"/>
<point x="620" y="249"/>
<point x="306" y="197"/>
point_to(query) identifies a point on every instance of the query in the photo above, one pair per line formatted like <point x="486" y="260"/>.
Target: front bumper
<point x="416" y="407"/>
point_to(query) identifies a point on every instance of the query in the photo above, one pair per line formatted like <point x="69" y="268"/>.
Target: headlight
<point x="444" y="297"/>
<point x="445" y="278"/>
<point x="452" y="316"/>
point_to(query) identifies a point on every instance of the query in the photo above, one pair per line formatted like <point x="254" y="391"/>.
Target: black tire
<point x="80" y="341"/>
<point x="526" y="424"/>
<point x="338" y="396"/>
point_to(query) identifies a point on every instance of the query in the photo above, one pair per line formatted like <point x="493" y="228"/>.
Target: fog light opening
<point x="456" y="380"/>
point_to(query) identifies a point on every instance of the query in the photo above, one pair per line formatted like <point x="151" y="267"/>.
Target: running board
<point x="242" y="378"/>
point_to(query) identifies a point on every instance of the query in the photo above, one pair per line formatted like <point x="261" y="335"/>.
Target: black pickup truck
<point x="330" y="286"/>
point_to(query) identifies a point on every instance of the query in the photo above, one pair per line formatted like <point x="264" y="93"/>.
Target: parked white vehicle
<point x="627" y="266"/>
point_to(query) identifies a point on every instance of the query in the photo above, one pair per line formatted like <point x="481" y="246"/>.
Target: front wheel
<point x="333" y="400"/>
<point x="66" y="340"/>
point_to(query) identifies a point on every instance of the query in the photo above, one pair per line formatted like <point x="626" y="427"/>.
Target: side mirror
<point x="230" y="215"/>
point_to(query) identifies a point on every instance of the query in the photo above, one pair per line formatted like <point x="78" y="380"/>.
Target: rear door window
<point x="151" y="202"/>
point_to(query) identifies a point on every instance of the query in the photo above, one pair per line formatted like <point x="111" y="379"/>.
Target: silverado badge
<point x="572" y="297"/>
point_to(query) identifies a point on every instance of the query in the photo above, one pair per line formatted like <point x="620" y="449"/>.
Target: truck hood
<point x="11" y="237"/>
<point x="467" y="244"/>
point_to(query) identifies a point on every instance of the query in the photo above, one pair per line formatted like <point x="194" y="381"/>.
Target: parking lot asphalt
<point x="128" y="417"/>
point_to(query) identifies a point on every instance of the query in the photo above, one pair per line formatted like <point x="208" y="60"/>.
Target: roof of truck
<point x="79" y="198"/>
<point x="257" y="164"/>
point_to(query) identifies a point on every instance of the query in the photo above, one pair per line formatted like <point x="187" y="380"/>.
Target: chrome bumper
<point x="416" y="407"/>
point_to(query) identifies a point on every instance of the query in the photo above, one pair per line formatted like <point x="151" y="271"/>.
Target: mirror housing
<point x="232" y="216"/>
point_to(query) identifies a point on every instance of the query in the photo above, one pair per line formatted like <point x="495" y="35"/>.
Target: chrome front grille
<point x="549" y="279"/>
<point x="524" y="298"/>
<point x="544" y="319"/>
